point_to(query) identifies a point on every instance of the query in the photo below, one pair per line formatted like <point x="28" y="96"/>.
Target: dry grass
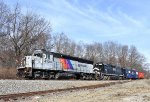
<point x="8" y="73"/>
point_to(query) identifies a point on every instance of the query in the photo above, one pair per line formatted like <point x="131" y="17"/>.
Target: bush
<point x="8" y="73"/>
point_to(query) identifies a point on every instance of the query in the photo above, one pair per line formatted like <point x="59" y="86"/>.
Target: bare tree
<point x="110" y="49"/>
<point x="31" y="30"/>
<point x="5" y="46"/>
<point x="71" y="48"/>
<point x="23" y="32"/>
<point x="58" y="42"/>
<point x="80" y="50"/>
<point x="94" y="52"/>
<point x="122" y="55"/>
<point x="63" y="44"/>
<point x="135" y="59"/>
<point x="4" y="14"/>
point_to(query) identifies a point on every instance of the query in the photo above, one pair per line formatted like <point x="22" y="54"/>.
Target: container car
<point x="140" y="75"/>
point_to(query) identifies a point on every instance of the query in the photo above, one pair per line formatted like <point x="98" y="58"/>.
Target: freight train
<point x="50" y="65"/>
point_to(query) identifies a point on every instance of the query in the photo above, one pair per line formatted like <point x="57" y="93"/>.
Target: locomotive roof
<point x="60" y="55"/>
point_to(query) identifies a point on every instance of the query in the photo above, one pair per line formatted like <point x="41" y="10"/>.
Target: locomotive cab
<point x="98" y="69"/>
<point x="38" y="60"/>
<point x="25" y="67"/>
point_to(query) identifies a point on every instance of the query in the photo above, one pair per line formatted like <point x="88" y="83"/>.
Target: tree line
<point x="22" y="33"/>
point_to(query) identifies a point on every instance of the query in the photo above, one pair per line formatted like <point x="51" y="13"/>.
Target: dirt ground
<point x="135" y="91"/>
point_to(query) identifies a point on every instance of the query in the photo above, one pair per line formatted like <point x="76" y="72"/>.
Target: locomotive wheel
<point x="102" y="77"/>
<point x="108" y="78"/>
<point x="105" y="78"/>
<point x="56" y="75"/>
<point x="97" y="77"/>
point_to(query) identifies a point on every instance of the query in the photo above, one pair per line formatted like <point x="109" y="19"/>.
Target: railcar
<point x="130" y="73"/>
<point x="127" y="73"/>
<point x="134" y="74"/>
<point x="140" y="75"/>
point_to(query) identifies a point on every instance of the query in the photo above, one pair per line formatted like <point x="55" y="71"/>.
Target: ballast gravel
<point x="24" y="86"/>
<point x="134" y="91"/>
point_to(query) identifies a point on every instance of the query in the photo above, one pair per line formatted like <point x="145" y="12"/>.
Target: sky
<point x="124" y="21"/>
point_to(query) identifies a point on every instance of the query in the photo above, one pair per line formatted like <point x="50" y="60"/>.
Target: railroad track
<point x="9" y="97"/>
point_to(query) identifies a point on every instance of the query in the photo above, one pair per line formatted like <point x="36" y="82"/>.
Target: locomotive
<point x="50" y="65"/>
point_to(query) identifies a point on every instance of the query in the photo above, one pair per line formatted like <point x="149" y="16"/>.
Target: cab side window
<point x="38" y="55"/>
<point x="51" y="57"/>
<point x="44" y="56"/>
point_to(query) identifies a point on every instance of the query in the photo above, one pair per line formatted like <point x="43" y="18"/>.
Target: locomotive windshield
<point x="38" y="53"/>
<point x="100" y="66"/>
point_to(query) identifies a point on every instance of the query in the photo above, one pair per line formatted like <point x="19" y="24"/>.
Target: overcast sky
<point x="123" y="21"/>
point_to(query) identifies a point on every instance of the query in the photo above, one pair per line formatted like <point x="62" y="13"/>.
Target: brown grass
<point x="8" y="73"/>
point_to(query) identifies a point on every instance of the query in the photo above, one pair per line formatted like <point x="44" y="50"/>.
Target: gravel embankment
<point x="24" y="86"/>
<point x="135" y="91"/>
